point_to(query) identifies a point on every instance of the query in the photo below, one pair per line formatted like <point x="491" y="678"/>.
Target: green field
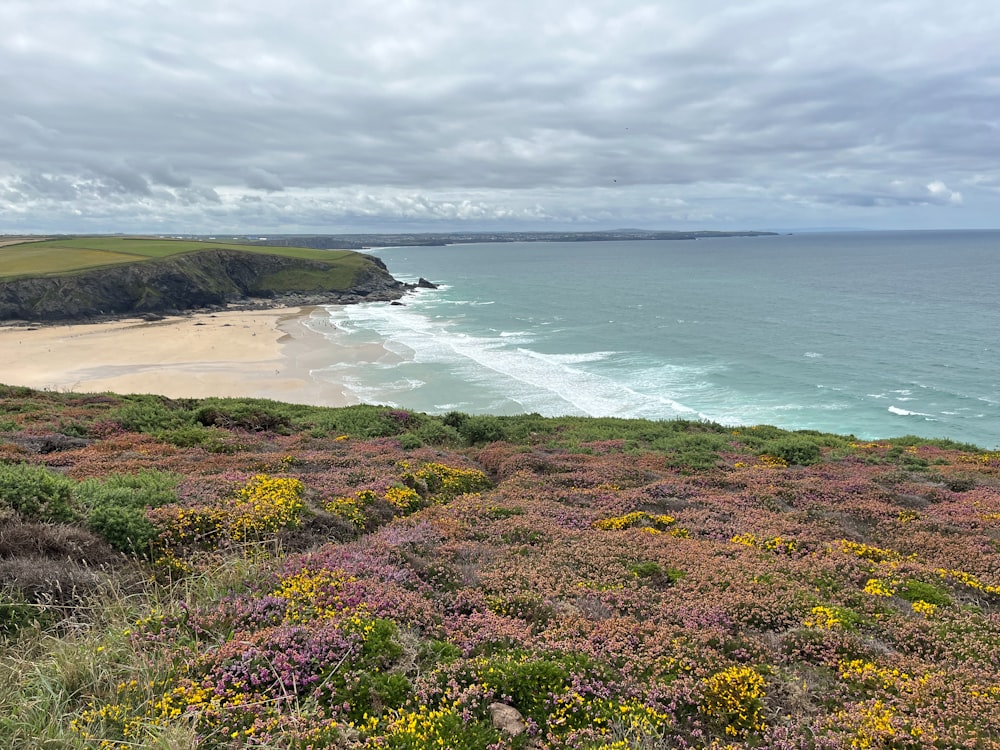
<point x="62" y="256"/>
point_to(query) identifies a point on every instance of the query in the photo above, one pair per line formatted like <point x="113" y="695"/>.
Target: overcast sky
<point x="440" y="115"/>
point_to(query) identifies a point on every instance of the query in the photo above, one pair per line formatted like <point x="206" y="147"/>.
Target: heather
<point x="249" y="574"/>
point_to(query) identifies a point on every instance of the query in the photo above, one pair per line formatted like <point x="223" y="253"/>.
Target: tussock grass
<point x="50" y="676"/>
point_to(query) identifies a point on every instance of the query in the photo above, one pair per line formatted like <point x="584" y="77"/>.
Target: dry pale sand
<point x="259" y="353"/>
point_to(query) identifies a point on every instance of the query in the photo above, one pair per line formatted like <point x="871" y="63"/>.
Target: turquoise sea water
<point x="877" y="334"/>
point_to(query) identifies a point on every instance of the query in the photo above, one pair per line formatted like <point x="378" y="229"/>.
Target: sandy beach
<point x="258" y="353"/>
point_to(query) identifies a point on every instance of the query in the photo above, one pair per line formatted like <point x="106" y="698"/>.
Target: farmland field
<point x="61" y="256"/>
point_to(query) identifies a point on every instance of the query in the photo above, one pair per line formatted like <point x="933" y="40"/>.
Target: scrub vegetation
<point x="238" y="573"/>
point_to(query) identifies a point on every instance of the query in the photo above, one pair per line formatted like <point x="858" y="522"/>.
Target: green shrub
<point x="409" y="441"/>
<point x="116" y="506"/>
<point x="525" y="606"/>
<point x="15" y="613"/>
<point x="960" y="482"/>
<point x="437" y="433"/>
<point x="653" y="573"/>
<point x="918" y="591"/>
<point x="381" y="644"/>
<point x="74" y="428"/>
<point x="211" y="439"/>
<point x="36" y="493"/>
<point x="528" y="680"/>
<point x="794" y="450"/>
<point x="691" y="451"/>
<point x="150" y="414"/>
<point x="436" y="651"/>
<point x="646" y="569"/>
<point x="524" y="535"/>
<point x="496" y="512"/>
<point x="360" y="421"/>
<point x="375" y="693"/>
<point x="252" y="415"/>
<point x="943" y="443"/>
<point x="481" y="429"/>
<point x="455" y="419"/>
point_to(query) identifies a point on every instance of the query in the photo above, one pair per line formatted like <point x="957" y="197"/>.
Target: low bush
<point x="478" y="430"/>
<point x="798" y="450"/>
<point x="116" y="506"/>
<point x="36" y="493"/>
<point x="654" y="573"/>
<point x="15" y="614"/>
<point x="692" y="452"/>
<point x="252" y="415"/>
<point x="211" y="439"/>
<point x="528" y="680"/>
<point x="433" y="432"/>
<point x="918" y="591"/>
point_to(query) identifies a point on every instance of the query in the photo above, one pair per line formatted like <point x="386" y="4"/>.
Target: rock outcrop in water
<point x="205" y="279"/>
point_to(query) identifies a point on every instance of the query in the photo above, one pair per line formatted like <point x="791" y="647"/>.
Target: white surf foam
<point x="547" y="383"/>
<point x="907" y="413"/>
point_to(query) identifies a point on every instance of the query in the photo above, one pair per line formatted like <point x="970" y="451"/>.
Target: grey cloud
<point x="120" y="178"/>
<point x="42" y="186"/>
<point x="195" y="196"/>
<point x="261" y="179"/>
<point x="513" y="113"/>
<point x="164" y="174"/>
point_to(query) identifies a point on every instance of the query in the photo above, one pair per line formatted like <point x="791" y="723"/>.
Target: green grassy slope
<point x="64" y="256"/>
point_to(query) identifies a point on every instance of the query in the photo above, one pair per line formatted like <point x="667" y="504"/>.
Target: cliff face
<point x="196" y="280"/>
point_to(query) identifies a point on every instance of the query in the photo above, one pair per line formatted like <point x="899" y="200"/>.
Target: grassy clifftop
<point x="69" y="255"/>
<point x="241" y="573"/>
<point x="82" y="278"/>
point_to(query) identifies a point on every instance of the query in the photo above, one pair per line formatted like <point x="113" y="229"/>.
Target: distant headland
<point x="93" y="278"/>
<point x="362" y="241"/>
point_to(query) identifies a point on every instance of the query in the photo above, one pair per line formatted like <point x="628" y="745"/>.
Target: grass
<point x="340" y="276"/>
<point x="63" y="256"/>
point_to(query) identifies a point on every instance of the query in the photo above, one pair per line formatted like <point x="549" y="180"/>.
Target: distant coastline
<point x="436" y="239"/>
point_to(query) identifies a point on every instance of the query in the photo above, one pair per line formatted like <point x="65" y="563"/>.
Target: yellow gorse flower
<point x="264" y="505"/>
<point x="878" y="587"/>
<point x="735" y="698"/>
<point x="871" y="553"/>
<point x="775" y="544"/>
<point x="635" y="519"/>
<point x="313" y="595"/>
<point x="968" y="579"/>
<point x="824" y="618"/>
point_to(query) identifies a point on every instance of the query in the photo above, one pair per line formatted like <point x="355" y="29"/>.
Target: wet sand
<point x="258" y="353"/>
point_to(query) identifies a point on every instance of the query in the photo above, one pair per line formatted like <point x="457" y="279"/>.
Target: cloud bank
<point x="182" y="116"/>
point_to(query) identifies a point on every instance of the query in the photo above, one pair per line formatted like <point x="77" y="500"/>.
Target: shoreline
<point x="260" y="353"/>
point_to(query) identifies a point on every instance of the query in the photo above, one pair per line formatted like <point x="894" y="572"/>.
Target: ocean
<point x="875" y="334"/>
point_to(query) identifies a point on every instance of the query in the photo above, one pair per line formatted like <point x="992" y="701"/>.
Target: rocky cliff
<point x="204" y="279"/>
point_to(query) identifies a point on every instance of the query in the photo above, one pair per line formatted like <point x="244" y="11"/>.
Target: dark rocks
<point x="507" y="719"/>
<point x="43" y="444"/>
<point x="423" y="283"/>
